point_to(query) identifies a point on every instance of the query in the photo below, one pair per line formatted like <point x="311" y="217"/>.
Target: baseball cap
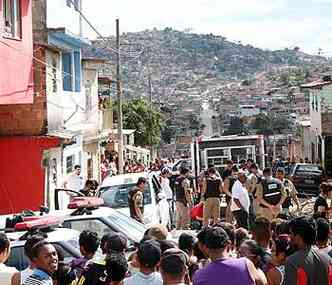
<point x="216" y="238"/>
<point x="174" y="261"/>
<point x="149" y="253"/>
<point x="116" y="242"/>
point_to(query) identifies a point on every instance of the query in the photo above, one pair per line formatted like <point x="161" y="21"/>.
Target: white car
<point x="102" y="220"/>
<point x="115" y="189"/>
<point x="67" y="239"/>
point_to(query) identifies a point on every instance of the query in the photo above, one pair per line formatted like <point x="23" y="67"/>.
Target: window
<point x="77" y="64"/>
<point x="117" y="196"/>
<point x="17" y="258"/>
<point x="218" y="152"/>
<point x="88" y="224"/>
<point x="12" y="18"/>
<point x="68" y="257"/>
<point x="67" y="71"/>
<point x="70" y="163"/>
<point x="308" y="168"/>
<point x="71" y="67"/>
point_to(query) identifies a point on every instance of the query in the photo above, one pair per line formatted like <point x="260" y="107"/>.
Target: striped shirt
<point x="38" y="277"/>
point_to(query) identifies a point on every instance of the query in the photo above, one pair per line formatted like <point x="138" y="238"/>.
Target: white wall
<point x="64" y="108"/>
<point x="54" y="99"/>
<point x="90" y="84"/>
<point x="315" y="111"/>
<point x="74" y="108"/>
<point x="75" y="149"/>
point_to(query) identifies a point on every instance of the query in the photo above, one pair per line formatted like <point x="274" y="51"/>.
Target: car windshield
<point x="308" y="168"/>
<point x="134" y="229"/>
<point x="183" y="163"/>
<point x="117" y="196"/>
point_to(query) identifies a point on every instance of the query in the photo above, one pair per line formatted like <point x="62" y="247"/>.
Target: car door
<point x="151" y="210"/>
<point x="58" y="193"/>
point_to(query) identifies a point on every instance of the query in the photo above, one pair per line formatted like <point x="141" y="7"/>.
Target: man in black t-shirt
<point x="228" y="170"/>
<point x="321" y="206"/>
<point x="96" y="272"/>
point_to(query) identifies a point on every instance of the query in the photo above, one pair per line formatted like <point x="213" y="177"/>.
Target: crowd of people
<point x="110" y="166"/>
<point x="261" y="240"/>
<point x="256" y="240"/>
<point x="249" y="192"/>
<point x="279" y="253"/>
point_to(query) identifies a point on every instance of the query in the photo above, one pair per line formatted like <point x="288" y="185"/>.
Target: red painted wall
<point x="21" y="172"/>
<point x="16" y="71"/>
<point x="28" y="119"/>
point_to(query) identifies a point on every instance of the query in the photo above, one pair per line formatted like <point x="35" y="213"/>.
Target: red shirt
<point x="197" y="211"/>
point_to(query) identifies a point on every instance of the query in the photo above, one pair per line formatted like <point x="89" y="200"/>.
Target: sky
<point x="268" y="24"/>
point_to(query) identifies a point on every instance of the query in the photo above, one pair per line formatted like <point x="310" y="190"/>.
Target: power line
<point x="49" y="66"/>
<point x="99" y="34"/>
<point x="46" y="71"/>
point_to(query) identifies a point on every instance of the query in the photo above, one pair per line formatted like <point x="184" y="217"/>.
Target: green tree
<point x="168" y="133"/>
<point x="268" y="125"/>
<point x="194" y="122"/>
<point x="138" y="115"/>
<point x="236" y="127"/>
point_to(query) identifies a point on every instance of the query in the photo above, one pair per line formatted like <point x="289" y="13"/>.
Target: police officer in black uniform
<point x="136" y="201"/>
<point x="212" y="189"/>
<point x="270" y="195"/>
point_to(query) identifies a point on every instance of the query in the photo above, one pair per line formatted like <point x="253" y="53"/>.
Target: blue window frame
<point x="67" y="71"/>
<point x="77" y="65"/>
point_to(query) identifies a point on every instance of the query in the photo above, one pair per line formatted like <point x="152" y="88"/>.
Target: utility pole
<point x="80" y="4"/>
<point x="119" y="93"/>
<point x="150" y="90"/>
<point x="150" y="116"/>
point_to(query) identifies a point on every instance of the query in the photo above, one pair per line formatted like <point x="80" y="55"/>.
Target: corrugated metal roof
<point x="91" y="52"/>
<point x="315" y="84"/>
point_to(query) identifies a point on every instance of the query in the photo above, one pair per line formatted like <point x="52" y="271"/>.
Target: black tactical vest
<point x="271" y="191"/>
<point x="212" y="188"/>
<point x="180" y="195"/>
